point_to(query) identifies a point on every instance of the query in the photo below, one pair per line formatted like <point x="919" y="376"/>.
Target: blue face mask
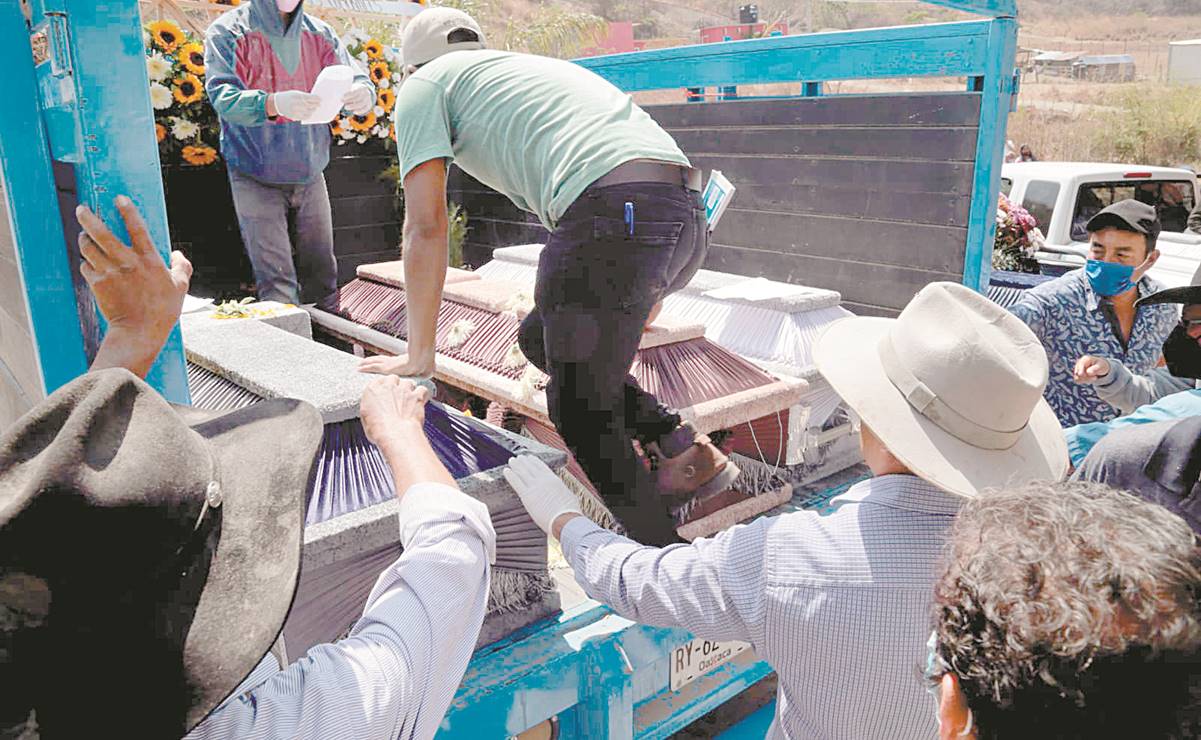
<point x="1108" y="278"/>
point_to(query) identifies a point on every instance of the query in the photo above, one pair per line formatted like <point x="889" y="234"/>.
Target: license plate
<point x="694" y="659"/>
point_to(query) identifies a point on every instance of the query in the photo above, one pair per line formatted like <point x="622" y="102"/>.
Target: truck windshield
<point x="1173" y="199"/>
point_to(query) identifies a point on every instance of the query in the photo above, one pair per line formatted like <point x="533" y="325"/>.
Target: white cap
<point x="427" y="36"/>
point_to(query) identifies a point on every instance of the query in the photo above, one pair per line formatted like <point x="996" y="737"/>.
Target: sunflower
<point x="392" y="131"/>
<point x="191" y="56"/>
<point x="362" y="123"/>
<point x="380" y="71"/>
<point x="335" y="126"/>
<point x="374" y="49"/>
<point x="386" y="99"/>
<point x="188" y="89"/>
<point x="160" y="131"/>
<point x="199" y="155"/>
<point x="166" y="35"/>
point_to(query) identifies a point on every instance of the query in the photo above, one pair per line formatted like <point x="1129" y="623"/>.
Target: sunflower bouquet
<point x="185" y="124"/>
<point x="384" y="68"/>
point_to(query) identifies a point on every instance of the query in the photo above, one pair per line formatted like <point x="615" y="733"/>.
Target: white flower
<point x="183" y="129"/>
<point x="383" y="134"/>
<point x="396" y="76"/>
<point x="514" y="358"/>
<point x="385" y="83"/>
<point x="341" y="142"/>
<point x="379" y="111"/>
<point x="460" y="332"/>
<point x="520" y="303"/>
<point x="157" y="67"/>
<point x="363" y="57"/>
<point x="362" y="138"/>
<point x="160" y="96"/>
<point x="532" y="380"/>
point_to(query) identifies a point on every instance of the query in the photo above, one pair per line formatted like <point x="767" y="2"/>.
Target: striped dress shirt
<point x="839" y="604"/>
<point x="394" y="676"/>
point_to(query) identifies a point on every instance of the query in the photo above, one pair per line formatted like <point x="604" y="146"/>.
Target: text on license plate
<point x="694" y="659"/>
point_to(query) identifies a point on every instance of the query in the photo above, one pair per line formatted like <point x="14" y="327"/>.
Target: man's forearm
<point x="675" y="586"/>
<point x="136" y="353"/>
<point x="412" y="459"/>
<point x="425" y="274"/>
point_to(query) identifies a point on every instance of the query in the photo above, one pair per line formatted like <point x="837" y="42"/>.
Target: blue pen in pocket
<point x="630" y="219"/>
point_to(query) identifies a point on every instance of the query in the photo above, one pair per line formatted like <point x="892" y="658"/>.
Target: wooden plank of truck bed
<point x="868" y="198"/>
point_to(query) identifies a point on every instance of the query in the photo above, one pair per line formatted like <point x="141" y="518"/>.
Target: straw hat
<point x="953" y="387"/>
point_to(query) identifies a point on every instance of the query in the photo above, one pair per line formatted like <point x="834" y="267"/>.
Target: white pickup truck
<point x="1063" y="196"/>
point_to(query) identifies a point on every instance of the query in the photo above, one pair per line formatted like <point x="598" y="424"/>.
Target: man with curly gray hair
<point x="1068" y="611"/>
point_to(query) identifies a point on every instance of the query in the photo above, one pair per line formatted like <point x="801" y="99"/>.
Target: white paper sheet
<point x="331" y="86"/>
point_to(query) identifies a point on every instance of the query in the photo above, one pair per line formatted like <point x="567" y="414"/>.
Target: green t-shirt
<point x="538" y="130"/>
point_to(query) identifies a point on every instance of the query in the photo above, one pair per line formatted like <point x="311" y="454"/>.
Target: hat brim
<point x="846" y="355"/>
<point x="265" y="456"/>
<point x="1187" y="295"/>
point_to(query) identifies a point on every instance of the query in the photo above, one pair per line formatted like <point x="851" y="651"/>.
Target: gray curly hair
<point x="1071" y="611"/>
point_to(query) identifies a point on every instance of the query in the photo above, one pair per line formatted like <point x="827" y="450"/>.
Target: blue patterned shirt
<point x="838" y="604"/>
<point x="1072" y="321"/>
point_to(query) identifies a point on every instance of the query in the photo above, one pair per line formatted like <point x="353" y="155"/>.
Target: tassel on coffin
<point x="351" y="532"/>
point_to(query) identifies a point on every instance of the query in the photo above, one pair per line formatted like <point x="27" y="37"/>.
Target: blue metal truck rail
<point x="74" y="91"/>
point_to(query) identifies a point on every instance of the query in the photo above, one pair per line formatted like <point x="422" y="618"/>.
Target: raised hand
<point x="137" y="293"/>
<point x="1089" y="369"/>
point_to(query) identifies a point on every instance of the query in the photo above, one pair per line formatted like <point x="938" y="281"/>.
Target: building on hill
<point x="1104" y="68"/>
<point x="1184" y="62"/>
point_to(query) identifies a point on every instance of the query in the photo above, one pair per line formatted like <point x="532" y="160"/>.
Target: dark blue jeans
<point x="595" y="290"/>
<point x="279" y="220"/>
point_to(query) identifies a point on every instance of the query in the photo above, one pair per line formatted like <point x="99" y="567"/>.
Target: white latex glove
<point x="359" y="99"/>
<point x="295" y="105"/>
<point x="544" y="496"/>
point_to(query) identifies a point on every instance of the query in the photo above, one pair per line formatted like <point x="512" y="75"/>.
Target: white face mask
<point x="286" y="6"/>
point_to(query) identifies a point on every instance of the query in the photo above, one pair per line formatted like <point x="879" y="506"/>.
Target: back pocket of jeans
<point x="649" y="233"/>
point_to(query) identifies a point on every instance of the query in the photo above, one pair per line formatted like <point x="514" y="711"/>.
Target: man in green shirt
<point x="627" y="227"/>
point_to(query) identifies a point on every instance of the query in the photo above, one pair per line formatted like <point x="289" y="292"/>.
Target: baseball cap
<point x="428" y="35"/>
<point x="1128" y="215"/>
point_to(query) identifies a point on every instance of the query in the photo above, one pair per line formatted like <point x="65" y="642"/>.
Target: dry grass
<point x="1138" y="124"/>
<point x="1112" y="28"/>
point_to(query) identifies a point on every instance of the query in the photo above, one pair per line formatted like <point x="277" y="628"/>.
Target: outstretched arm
<point x="712" y="587"/>
<point x="425" y="254"/>
<point x="396" y="673"/>
<point x="137" y="293"/>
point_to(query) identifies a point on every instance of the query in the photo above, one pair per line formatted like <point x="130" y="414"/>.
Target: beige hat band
<point x="928" y="404"/>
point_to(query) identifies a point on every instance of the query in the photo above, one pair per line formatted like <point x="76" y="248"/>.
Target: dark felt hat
<point x="1128" y="215"/>
<point x="158" y="547"/>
